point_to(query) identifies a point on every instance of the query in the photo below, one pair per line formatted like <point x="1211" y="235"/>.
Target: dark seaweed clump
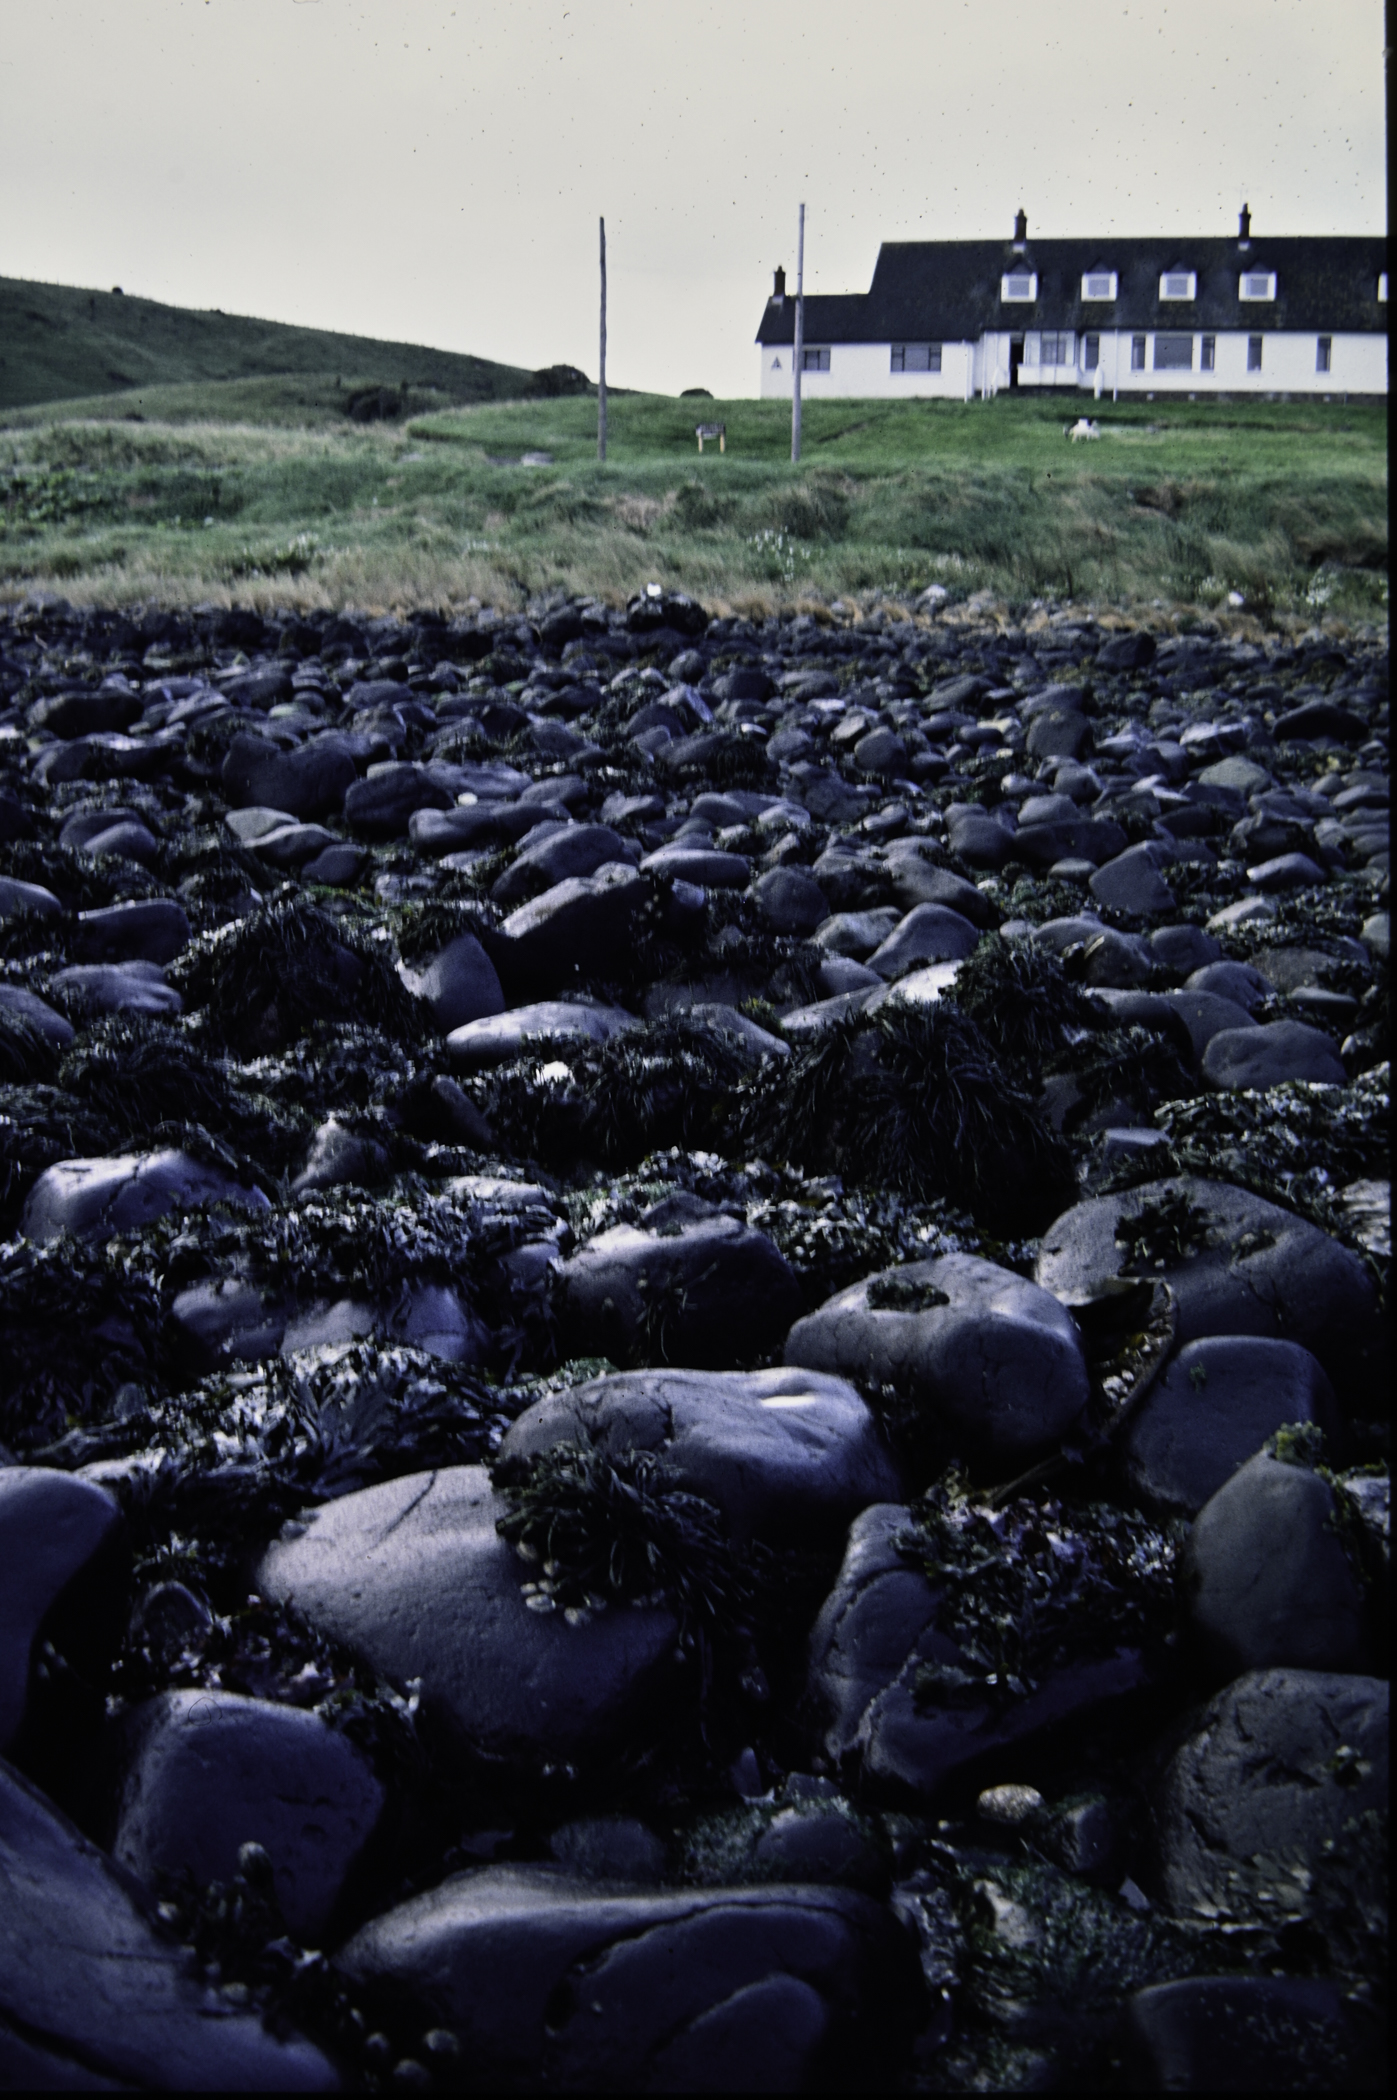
<point x="264" y="980"/>
<point x="915" y="1100"/>
<point x="1164" y="1230"/>
<point x="1134" y="1066"/>
<point x="79" y="1323"/>
<point x="1032" y="1587"/>
<point x="149" y="1081"/>
<point x="1021" y="999"/>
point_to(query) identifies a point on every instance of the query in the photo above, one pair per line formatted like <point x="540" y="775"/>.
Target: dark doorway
<point x="1015" y="360"/>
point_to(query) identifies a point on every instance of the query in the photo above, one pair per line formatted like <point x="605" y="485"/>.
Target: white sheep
<point x="1083" y="428"/>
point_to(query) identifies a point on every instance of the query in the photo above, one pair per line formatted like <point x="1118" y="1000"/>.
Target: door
<point x="1015" y="360"/>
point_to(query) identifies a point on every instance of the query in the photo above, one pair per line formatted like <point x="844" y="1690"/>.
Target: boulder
<point x="340" y="1157"/>
<point x="153" y="929"/>
<point x="707" y="1291"/>
<point x="702" y="865"/>
<point x="1239" y="982"/>
<point x="116" y="988"/>
<point x="573" y="849"/>
<point x="459" y="984"/>
<point x="1251" y="2034"/>
<point x="525" y="1030"/>
<point x="788" y="1456"/>
<point x="1279" y="1767"/>
<point x="290" y="846"/>
<point x="1043" y="844"/>
<point x="790" y="901"/>
<point x="930" y="933"/>
<point x="59" y="1540"/>
<point x="98" y="1198"/>
<point x="553" y="1983"/>
<point x="413" y="1577"/>
<point x="307" y="782"/>
<point x="32" y="897"/>
<point x="1264" y="1056"/>
<point x="379" y="806"/>
<point x="856" y="934"/>
<point x="1236" y="1265"/>
<point x="1058" y="732"/>
<point x="1205" y="1015"/>
<point x="1184" y="948"/>
<point x="1126" y="652"/>
<point x="983" y="1352"/>
<point x="1132" y="883"/>
<point x="917" y="881"/>
<point x="209" y="1771"/>
<point x="30" y="1011"/>
<point x="1267" y="1578"/>
<point x="1285" y="871"/>
<point x="94" y="1997"/>
<point x="577" y="928"/>
<point x="977" y="839"/>
<point x="1215" y="1405"/>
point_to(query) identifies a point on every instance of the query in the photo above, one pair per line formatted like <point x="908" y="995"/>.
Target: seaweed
<point x="26" y="1054"/>
<point x="909" y="1294"/>
<point x="146" y="1080"/>
<point x="79" y="1322"/>
<point x="1134" y="1065"/>
<point x="265" y="980"/>
<point x="337" y="1240"/>
<point x="1020" y="998"/>
<point x="1031" y="1586"/>
<point x="914" y="1099"/>
<point x="1164" y="1230"/>
<point x="40" y="1125"/>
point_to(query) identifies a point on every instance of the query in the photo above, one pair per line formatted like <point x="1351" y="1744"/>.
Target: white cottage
<point x="961" y="318"/>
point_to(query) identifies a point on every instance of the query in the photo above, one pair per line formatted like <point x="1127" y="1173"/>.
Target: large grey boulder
<point x="872" y="1648"/>
<point x="712" y="1292"/>
<point x="1254" y="1056"/>
<point x="151" y="929"/>
<point x="1280" y="1770"/>
<point x="1248" y="1267"/>
<point x="1215" y="1405"/>
<point x="978" y="839"/>
<point x="412" y="1576"/>
<point x="33" y="897"/>
<point x="97" y="1198"/>
<point x="459" y="983"/>
<point x="307" y="782"/>
<point x="1132" y="882"/>
<point x="1205" y="1015"/>
<point x="116" y="988"/>
<point x="209" y="1771"/>
<point x="551" y="1983"/>
<point x="574" y="929"/>
<point x="380" y="805"/>
<point x="94" y="1998"/>
<point x="572" y="849"/>
<point x="1239" y="982"/>
<point x="916" y="881"/>
<point x="58" y="1540"/>
<point x="786" y="1455"/>
<point x="32" y="1012"/>
<point x="981" y="1350"/>
<point x="1266" y="1576"/>
<point x="790" y="901"/>
<point x="930" y="933"/>
<point x="524" y="1030"/>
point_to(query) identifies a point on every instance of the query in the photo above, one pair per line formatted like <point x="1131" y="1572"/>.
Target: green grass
<point x="262" y="489"/>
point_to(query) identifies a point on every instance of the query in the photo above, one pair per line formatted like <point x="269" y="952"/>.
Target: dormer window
<point x="1018" y="287"/>
<point x="1178" y="284"/>
<point x="1257" y="284"/>
<point x="1099" y="284"/>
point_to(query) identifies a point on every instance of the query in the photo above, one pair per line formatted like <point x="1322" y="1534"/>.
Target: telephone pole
<point x="799" y="358"/>
<point x="601" y="376"/>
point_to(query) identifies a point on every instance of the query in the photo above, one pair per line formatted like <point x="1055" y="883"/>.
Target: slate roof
<point x="948" y="291"/>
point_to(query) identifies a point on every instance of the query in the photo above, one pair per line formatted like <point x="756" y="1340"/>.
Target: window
<point x="1137" y="353"/>
<point x="814" y="361"/>
<point x="1253" y="353"/>
<point x="1173" y="353"/>
<point x="1091" y="352"/>
<point x="1099" y="284"/>
<point x="916" y="357"/>
<point x="1019" y="287"/>
<point x="1208" y="354"/>
<point x="1178" y="284"/>
<point x="1324" y="353"/>
<point x="1257" y="284"/>
<point x="1057" y="350"/>
<point x="1382" y="289"/>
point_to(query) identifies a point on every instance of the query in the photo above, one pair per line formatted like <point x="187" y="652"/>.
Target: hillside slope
<point x="60" y="343"/>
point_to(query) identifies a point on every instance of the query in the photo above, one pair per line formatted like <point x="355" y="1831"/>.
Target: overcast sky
<point x="434" y="172"/>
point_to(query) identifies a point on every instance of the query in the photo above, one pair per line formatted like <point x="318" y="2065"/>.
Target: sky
<point x="434" y="173"/>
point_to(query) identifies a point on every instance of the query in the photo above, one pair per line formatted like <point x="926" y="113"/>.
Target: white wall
<point x="863" y="372"/>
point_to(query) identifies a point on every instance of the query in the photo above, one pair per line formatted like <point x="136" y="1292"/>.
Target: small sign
<point x="711" y="431"/>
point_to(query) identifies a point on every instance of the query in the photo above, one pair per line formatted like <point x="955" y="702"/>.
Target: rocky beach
<point x="693" y="1349"/>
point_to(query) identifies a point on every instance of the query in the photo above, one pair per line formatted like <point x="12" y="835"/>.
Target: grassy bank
<point x="273" y="497"/>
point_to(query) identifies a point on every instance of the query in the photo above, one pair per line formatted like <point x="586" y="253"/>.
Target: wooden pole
<point x="799" y="355"/>
<point x="601" y="376"/>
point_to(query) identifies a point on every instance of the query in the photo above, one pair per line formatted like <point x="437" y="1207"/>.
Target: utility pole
<point x="601" y="378"/>
<point x="799" y="358"/>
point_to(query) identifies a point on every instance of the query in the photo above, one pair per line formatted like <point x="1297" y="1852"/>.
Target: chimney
<point x="1244" y="227"/>
<point x="1020" y="230"/>
<point x="778" y="288"/>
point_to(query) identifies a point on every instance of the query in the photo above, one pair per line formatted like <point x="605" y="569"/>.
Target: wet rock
<point x="496" y="1038"/>
<point x="710" y="1293"/>
<point x="1267" y="1578"/>
<point x="308" y="782"/>
<point x="856" y="934"/>
<point x="223" y="1320"/>
<point x="1286" y="871"/>
<point x="413" y="1577"/>
<point x="784" y="1454"/>
<point x="1205" y="1015"/>
<point x="115" y="988"/>
<point x="379" y="806"/>
<point x="1250" y="2034"/>
<point x="96" y="1198"/>
<point x="33" y="1012"/>
<point x="59" y="1537"/>
<point x="930" y="933"/>
<point x="1132" y="883"/>
<point x="1214" y="1406"/>
<point x="93" y="1996"/>
<point x="208" y="1771"/>
<point x="1265" y="1056"/>
<point x="1184" y="948"/>
<point x="976" y="1348"/>
<point x="790" y="902"/>
<point x="551" y="1982"/>
<point x="1239" y="982"/>
<point x="338" y="867"/>
<point x="32" y="897"/>
<point x="459" y="983"/>
<point x="293" y="846"/>
<point x="977" y="838"/>
<point x="151" y="930"/>
<point x="916" y="881"/>
<point x="1058" y="732"/>
<point x="574" y="850"/>
<point x="1281" y="1763"/>
<point x="574" y="928"/>
<point x="1236" y="1264"/>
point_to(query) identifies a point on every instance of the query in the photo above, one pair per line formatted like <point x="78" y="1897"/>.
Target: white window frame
<point x="1064" y="349"/>
<point x="927" y="357"/>
<point x="1015" y="277"/>
<point x="1107" y="277"/>
<point x="820" y="354"/>
<point x="1173" y="337"/>
<point x="1324" y="353"/>
<point x="1247" y="282"/>
<point x="1184" y="277"/>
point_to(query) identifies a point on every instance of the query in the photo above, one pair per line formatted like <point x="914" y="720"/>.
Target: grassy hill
<point x="105" y="350"/>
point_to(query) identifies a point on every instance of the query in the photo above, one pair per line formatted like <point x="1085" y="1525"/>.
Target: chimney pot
<point x="778" y="288"/>
<point x="1244" y="227"/>
<point x="1020" y="228"/>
